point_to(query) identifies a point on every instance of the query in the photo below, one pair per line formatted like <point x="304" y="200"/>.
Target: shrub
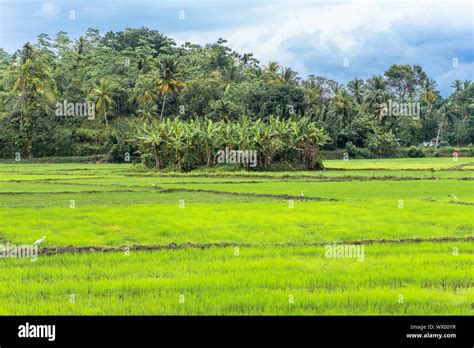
<point x="384" y="144"/>
<point x="443" y="143"/>
<point x="9" y="142"/>
<point x="88" y="150"/>
<point x="357" y="152"/>
<point x="470" y="150"/>
<point x="414" y="151"/>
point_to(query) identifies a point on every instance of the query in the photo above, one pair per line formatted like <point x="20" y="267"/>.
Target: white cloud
<point x="311" y="36"/>
<point x="315" y="37"/>
<point x="49" y="9"/>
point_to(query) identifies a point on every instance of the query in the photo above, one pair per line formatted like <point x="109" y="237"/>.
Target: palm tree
<point x="35" y="87"/>
<point x="356" y="86"/>
<point x="258" y="72"/>
<point x="429" y="93"/>
<point x="375" y="95"/>
<point x="104" y="93"/>
<point x="334" y="87"/>
<point x="147" y="113"/>
<point x="272" y="67"/>
<point x="272" y="72"/>
<point x="145" y="96"/>
<point x="167" y="81"/>
<point x="313" y="101"/>
<point x="458" y="86"/>
<point x="145" y="92"/>
<point x="288" y="75"/>
<point x="375" y="88"/>
<point x="343" y="104"/>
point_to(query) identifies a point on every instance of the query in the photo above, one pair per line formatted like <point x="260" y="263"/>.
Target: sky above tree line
<point x="337" y="39"/>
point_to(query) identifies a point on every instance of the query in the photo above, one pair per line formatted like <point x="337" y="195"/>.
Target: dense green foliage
<point x="189" y="144"/>
<point x="139" y="76"/>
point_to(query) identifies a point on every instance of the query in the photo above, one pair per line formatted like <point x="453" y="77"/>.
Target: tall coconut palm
<point x="272" y="67"/>
<point x="458" y="86"/>
<point x="104" y="92"/>
<point x="167" y="81"/>
<point x="145" y="92"/>
<point x="356" y="86"/>
<point x="313" y="100"/>
<point x="288" y="75"/>
<point x="258" y="72"/>
<point x="334" y="87"/>
<point x="147" y="113"/>
<point x="376" y="94"/>
<point x="271" y="70"/>
<point x="429" y="93"/>
<point x="145" y="96"/>
<point x="35" y="88"/>
<point x="343" y="104"/>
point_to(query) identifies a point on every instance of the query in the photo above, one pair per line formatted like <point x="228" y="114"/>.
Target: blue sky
<point x="313" y="37"/>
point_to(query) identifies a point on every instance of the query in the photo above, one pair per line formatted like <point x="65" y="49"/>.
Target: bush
<point x="414" y="151"/>
<point x="470" y="150"/>
<point x="357" y="152"/>
<point x="384" y="144"/>
<point x="89" y="150"/>
<point x="443" y="143"/>
<point x="9" y="142"/>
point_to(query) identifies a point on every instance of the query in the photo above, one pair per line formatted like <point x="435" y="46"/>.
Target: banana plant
<point x="209" y="133"/>
<point x="151" y="140"/>
<point x="176" y="138"/>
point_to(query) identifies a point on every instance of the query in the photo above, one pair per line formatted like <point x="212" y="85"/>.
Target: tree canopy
<point x="139" y="76"/>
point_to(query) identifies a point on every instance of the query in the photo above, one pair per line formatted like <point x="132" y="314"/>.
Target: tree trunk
<point x="157" y="158"/>
<point x="437" y="136"/>
<point x="208" y="154"/>
<point x="163" y="108"/>
<point x="106" y="121"/>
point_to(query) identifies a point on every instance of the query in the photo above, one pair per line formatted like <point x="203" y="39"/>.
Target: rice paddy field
<point x="124" y="241"/>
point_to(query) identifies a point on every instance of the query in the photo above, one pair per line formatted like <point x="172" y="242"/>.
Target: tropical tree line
<point x="139" y="76"/>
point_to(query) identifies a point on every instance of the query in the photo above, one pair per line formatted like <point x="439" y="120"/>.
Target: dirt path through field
<point x="86" y="249"/>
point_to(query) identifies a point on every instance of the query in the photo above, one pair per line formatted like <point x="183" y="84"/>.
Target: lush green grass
<point x="116" y="205"/>
<point x="104" y="197"/>
<point x="401" y="163"/>
<point x="393" y="279"/>
<point x="256" y="222"/>
<point x="354" y="190"/>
